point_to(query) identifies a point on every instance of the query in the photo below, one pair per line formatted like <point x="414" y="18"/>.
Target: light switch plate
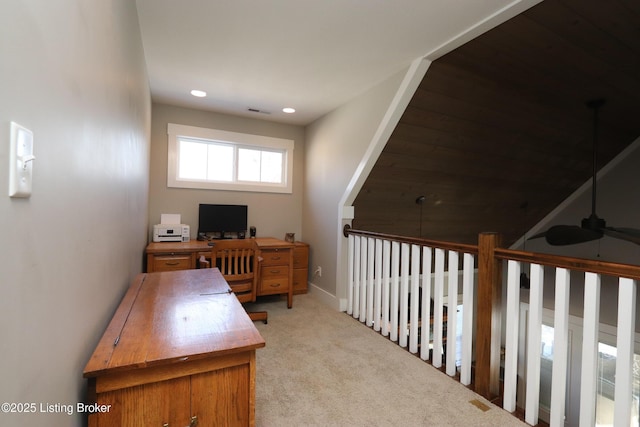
<point x="20" y="161"/>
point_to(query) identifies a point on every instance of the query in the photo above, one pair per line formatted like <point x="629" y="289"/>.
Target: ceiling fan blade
<point x="561" y="235"/>
<point x="628" y="234"/>
<point x="537" y="236"/>
<point x="625" y="230"/>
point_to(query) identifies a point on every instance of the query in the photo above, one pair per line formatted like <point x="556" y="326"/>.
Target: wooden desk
<point x="276" y="273"/>
<point x="180" y="349"/>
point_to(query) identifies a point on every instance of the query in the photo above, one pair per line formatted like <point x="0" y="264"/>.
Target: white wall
<point x="73" y="72"/>
<point x="272" y="214"/>
<point x="343" y="146"/>
<point x="336" y="145"/>
<point x="618" y="202"/>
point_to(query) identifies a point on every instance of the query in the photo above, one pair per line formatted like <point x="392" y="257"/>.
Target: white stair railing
<point x="590" y="334"/>
<point x="401" y="286"/>
<point x="393" y="288"/>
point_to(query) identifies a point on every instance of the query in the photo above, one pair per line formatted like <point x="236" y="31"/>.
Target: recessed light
<point x="199" y="93"/>
<point x="289" y="110"/>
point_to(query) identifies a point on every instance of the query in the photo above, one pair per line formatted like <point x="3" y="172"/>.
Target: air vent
<point x="256" y="110"/>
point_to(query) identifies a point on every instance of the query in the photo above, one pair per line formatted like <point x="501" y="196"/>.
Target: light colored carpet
<point x="324" y="368"/>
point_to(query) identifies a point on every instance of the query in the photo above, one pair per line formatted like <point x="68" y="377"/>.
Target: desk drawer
<point x="171" y="262"/>
<point x="275" y="257"/>
<point x="274" y="285"/>
<point x="271" y="271"/>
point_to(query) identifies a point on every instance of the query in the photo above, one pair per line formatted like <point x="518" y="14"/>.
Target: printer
<point x="171" y="233"/>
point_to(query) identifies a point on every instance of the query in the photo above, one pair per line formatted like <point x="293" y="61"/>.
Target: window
<point x="221" y="160"/>
<point x="607" y="356"/>
<point x="546" y="365"/>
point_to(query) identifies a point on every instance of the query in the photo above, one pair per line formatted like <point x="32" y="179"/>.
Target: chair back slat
<point x="235" y="259"/>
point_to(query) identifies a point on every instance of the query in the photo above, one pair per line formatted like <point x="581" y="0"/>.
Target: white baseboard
<point x="338" y="304"/>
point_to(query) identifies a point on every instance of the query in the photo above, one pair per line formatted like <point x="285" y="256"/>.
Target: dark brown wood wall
<point x="498" y="133"/>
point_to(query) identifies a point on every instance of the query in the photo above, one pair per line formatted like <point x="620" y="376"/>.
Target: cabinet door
<point x="154" y="404"/>
<point x="300" y="280"/>
<point x="223" y="397"/>
<point x="301" y="256"/>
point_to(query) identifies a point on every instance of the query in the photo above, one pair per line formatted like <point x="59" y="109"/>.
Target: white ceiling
<point x="310" y="55"/>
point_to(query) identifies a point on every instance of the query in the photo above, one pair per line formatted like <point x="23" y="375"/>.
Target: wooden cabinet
<point x="180" y="350"/>
<point x="300" y="268"/>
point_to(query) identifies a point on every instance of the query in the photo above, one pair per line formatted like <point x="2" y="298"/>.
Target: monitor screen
<point x="222" y="219"/>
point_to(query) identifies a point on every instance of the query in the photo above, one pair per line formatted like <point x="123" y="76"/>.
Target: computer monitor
<point x="218" y="220"/>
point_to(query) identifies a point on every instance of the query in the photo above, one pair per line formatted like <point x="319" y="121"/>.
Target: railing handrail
<point x="460" y="247"/>
<point x="571" y="263"/>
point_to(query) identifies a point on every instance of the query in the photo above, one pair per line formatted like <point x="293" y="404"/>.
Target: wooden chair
<point x="239" y="263"/>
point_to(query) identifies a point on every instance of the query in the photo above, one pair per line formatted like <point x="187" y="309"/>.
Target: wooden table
<point x="179" y="350"/>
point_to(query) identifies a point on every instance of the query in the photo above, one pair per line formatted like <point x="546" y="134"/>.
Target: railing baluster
<point x="560" y="348"/>
<point x="467" y="318"/>
<point x="415" y="298"/>
<point x="370" y="283"/>
<point x="624" y="361"/>
<point x="395" y="279"/>
<point x="426" y="303"/>
<point x="386" y="276"/>
<point x="378" y="286"/>
<point x="534" y="345"/>
<point x="437" y="309"/>
<point x="452" y="310"/>
<point x="356" y="278"/>
<point x="363" y="279"/>
<point x="350" y="261"/>
<point x="590" y="349"/>
<point x="511" y="338"/>
<point x="404" y="295"/>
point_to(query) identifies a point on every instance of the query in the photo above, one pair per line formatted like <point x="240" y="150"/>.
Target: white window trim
<point x="174" y="131"/>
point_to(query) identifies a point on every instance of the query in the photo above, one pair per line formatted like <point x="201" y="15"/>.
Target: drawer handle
<point x="172" y="263"/>
<point x="275" y="271"/>
<point x="275" y="258"/>
<point x="275" y="285"/>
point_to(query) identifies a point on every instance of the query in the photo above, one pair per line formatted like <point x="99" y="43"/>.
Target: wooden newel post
<point x="488" y="324"/>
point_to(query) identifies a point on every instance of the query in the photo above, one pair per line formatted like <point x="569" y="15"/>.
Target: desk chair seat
<point x="239" y="263"/>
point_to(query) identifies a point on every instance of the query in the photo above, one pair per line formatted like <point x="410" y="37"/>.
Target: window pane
<point x="607" y="356"/>
<point x="248" y="165"/>
<point x="546" y="364"/>
<point x="192" y="160"/>
<point x="220" y="162"/>
<point x="271" y="167"/>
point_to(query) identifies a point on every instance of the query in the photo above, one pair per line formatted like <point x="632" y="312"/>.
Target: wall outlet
<point x="318" y="271"/>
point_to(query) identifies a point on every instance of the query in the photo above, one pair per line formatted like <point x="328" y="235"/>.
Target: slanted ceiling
<point x="498" y="133"/>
